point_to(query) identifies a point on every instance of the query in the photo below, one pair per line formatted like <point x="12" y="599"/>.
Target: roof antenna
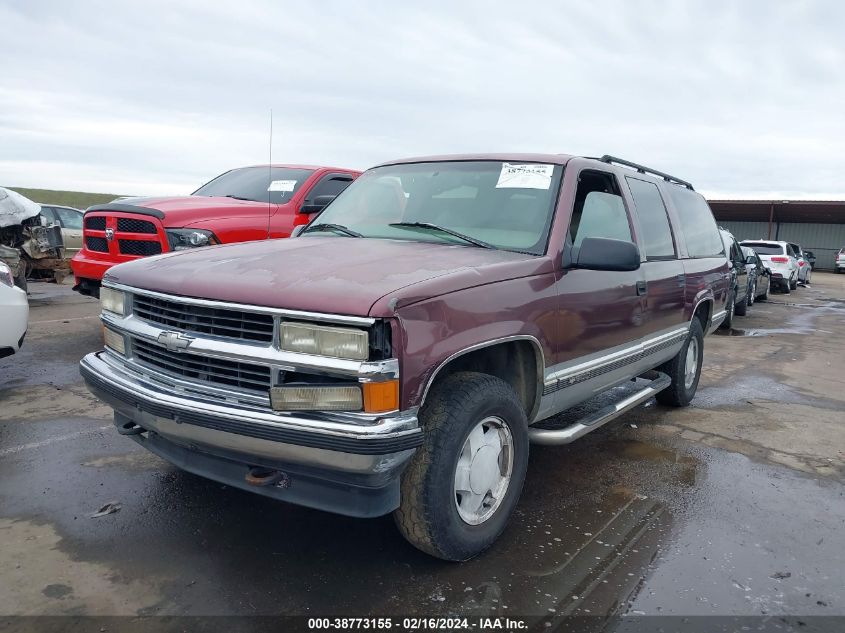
<point x="270" y="174"/>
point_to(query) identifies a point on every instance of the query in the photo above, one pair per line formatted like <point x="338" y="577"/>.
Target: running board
<point x="552" y="437"/>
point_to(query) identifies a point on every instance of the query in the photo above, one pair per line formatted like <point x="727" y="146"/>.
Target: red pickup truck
<point x="241" y="205"/>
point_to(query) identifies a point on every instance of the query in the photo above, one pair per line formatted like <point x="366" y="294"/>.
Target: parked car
<point x="780" y="259"/>
<point x="804" y="268"/>
<point x="758" y="274"/>
<point x="70" y="220"/>
<point x="14" y="312"/>
<point x="740" y="279"/>
<point x="811" y="259"/>
<point x="839" y="265"/>
<point x="476" y="296"/>
<point x="250" y="203"/>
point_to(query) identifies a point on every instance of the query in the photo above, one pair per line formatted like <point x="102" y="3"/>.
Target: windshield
<point x="471" y="203"/>
<point x="259" y="184"/>
<point x="765" y="249"/>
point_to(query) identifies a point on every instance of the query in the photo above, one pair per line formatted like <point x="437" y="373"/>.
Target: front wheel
<point x="752" y="294"/>
<point x="684" y="369"/>
<point x="465" y="480"/>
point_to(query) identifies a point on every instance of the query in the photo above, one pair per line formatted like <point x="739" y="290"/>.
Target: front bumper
<point x="341" y="467"/>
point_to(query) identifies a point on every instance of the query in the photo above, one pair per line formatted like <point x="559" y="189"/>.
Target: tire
<point x="729" y="318"/>
<point x="429" y="516"/>
<point x="786" y="287"/>
<point x="765" y="295"/>
<point x="742" y="306"/>
<point x="793" y="283"/>
<point x="807" y="278"/>
<point x="684" y="369"/>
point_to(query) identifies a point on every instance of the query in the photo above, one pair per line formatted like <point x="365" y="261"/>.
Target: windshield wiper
<point x="229" y="195"/>
<point x="327" y="226"/>
<point x="442" y="229"/>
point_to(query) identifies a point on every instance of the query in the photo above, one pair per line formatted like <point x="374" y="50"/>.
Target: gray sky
<point x="743" y="98"/>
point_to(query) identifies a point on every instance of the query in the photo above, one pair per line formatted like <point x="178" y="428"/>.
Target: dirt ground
<point x="733" y="506"/>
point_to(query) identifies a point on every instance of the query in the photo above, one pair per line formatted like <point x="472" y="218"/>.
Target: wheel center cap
<point x="484" y="470"/>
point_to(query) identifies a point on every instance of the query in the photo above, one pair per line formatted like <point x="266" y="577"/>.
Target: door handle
<point x="641" y="288"/>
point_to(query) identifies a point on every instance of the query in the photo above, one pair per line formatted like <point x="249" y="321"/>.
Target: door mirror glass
<point x="317" y="204"/>
<point x="600" y="253"/>
<point x="751" y="260"/>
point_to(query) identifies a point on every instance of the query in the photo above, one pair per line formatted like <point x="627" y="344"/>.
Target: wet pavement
<point x="734" y="506"/>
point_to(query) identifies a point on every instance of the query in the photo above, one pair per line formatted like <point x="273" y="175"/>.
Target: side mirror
<point x="316" y="205"/>
<point x="751" y="260"/>
<point x="600" y="253"/>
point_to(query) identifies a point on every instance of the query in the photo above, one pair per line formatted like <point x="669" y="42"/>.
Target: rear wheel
<point x="742" y="306"/>
<point x="684" y="369"/>
<point x="793" y="283"/>
<point x="752" y="294"/>
<point x="465" y="480"/>
<point x="786" y="287"/>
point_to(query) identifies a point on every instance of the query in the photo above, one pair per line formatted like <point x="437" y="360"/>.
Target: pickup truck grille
<point x="234" y="324"/>
<point x="98" y="244"/>
<point x="130" y="225"/>
<point x="226" y="373"/>
<point x="141" y="248"/>
<point x="97" y="223"/>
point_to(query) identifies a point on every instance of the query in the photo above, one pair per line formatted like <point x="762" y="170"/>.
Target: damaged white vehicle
<point x="26" y="244"/>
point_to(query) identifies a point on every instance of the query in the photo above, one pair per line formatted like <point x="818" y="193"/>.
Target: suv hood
<point x="336" y="275"/>
<point x="180" y="211"/>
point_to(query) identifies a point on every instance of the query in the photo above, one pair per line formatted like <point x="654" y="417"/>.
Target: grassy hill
<point x="78" y="199"/>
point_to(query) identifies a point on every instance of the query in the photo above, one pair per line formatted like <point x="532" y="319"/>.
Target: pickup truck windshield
<point x="258" y="184"/>
<point x="486" y="204"/>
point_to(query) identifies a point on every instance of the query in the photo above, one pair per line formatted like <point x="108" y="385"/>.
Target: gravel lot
<point x="732" y="506"/>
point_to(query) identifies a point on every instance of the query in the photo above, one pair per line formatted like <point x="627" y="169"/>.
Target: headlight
<point x="6" y="275"/>
<point x="325" y="340"/>
<point x="183" y="239"/>
<point x="114" y="341"/>
<point x="113" y="300"/>
<point x="316" y="398"/>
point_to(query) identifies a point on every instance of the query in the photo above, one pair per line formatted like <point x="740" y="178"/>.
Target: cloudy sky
<point x="743" y="98"/>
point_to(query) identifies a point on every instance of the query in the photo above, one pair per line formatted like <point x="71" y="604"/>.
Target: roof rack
<point x="645" y="170"/>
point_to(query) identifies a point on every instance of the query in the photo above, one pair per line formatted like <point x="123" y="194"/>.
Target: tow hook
<point x="258" y="476"/>
<point x="130" y="428"/>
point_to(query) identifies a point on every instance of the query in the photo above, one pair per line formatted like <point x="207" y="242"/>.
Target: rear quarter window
<point x="697" y="223"/>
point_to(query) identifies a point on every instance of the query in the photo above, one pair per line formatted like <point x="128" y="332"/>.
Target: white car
<point x="839" y="266"/>
<point x="14" y="313"/>
<point x="804" y="268"/>
<point x="781" y="261"/>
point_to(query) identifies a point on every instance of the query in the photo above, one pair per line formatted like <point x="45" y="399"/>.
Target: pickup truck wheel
<point x="465" y="480"/>
<point x="729" y="317"/>
<point x="684" y="369"/>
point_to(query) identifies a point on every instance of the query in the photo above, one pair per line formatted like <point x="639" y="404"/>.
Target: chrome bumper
<point x="381" y="447"/>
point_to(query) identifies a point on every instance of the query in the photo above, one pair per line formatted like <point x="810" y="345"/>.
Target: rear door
<point x="663" y="272"/>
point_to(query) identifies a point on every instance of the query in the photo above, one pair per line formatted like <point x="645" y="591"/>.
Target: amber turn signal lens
<point x="381" y="396"/>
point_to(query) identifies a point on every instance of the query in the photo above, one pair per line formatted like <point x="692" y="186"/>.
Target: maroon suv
<point x="402" y="352"/>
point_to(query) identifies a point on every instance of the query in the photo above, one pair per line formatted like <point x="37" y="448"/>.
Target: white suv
<point x="780" y="259"/>
<point x="839" y="266"/>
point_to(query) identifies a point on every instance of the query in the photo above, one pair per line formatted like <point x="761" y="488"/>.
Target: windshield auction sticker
<point x="284" y="185"/>
<point x="528" y="176"/>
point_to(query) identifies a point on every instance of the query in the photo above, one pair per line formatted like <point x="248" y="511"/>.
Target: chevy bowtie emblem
<point x="109" y="234"/>
<point x="174" y="341"/>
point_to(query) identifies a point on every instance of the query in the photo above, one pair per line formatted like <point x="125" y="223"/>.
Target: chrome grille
<point x="227" y="373"/>
<point x="227" y="323"/>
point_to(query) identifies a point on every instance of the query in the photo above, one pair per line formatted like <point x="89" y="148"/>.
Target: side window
<point x="330" y="185"/>
<point x="654" y="220"/>
<point x="789" y="250"/>
<point x="736" y="254"/>
<point x="599" y="210"/>
<point x="69" y="218"/>
<point x="49" y="216"/>
<point x="697" y="223"/>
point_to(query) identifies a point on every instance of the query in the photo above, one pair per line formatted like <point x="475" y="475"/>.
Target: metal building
<point x="818" y="226"/>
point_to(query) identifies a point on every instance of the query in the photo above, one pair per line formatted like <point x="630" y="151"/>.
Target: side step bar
<point x="553" y="437"/>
